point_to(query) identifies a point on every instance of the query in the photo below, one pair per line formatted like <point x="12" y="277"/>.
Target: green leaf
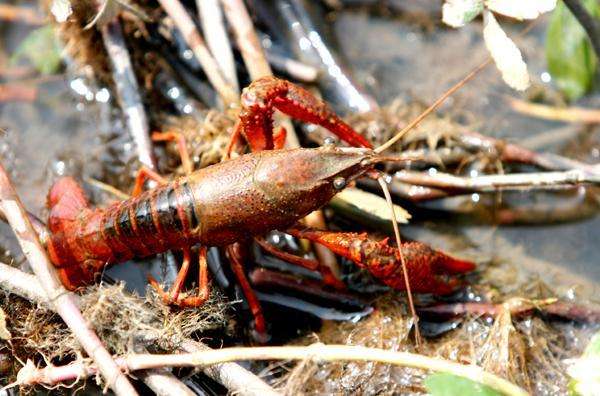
<point x="585" y="371"/>
<point x="571" y="59"/>
<point x="443" y="384"/>
<point x="41" y="48"/>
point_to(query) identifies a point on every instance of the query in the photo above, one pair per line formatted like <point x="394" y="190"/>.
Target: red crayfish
<point x="235" y="200"/>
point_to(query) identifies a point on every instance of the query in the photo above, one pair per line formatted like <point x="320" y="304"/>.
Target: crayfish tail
<point x="66" y="200"/>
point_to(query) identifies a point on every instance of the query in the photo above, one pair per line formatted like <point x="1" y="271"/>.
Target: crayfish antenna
<point x="413" y="312"/>
<point x="431" y="108"/>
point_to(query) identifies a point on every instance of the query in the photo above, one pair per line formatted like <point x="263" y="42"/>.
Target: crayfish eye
<point x="329" y="142"/>
<point x="339" y="183"/>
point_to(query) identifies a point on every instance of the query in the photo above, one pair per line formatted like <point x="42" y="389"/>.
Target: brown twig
<point x="192" y="37"/>
<point x="247" y="40"/>
<point x="567" y="114"/>
<point x="213" y="27"/>
<point x="16" y="72"/>
<point x="235" y="378"/>
<point x="314" y="352"/>
<point x="297" y="70"/>
<point x="164" y="383"/>
<point x="12" y="13"/>
<point x="18" y="92"/>
<point x="128" y="91"/>
<point x="562" y="309"/>
<point x="64" y="302"/>
<point x="511" y="152"/>
<point x="491" y="183"/>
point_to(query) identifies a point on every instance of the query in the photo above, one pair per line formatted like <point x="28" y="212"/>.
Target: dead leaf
<point x="505" y="53"/>
<point x="61" y="9"/>
<point x="521" y="9"/>
<point x="457" y="13"/>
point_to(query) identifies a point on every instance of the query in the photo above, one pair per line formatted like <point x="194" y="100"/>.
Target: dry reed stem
<point x="316" y="352"/>
<point x="192" y="37"/>
<point x="248" y="43"/>
<point x="128" y="94"/>
<point x="566" y="114"/>
<point x="491" y="183"/>
<point x="63" y="301"/>
<point x="12" y="13"/>
<point x="213" y="27"/>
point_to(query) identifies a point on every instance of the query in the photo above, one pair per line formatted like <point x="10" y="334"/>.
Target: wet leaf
<point x="41" y="48"/>
<point x="4" y="333"/>
<point x="457" y="13"/>
<point x="520" y="9"/>
<point x="61" y="9"/>
<point x="442" y="384"/>
<point x="585" y="371"/>
<point x="505" y="53"/>
<point x="571" y="59"/>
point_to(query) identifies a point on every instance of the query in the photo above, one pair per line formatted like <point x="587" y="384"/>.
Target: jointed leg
<point x="173" y="295"/>
<point x="144" y="174"/>
<point x="235" y="256"/>
<point x="179" y="139"/>
<point x="313" y="265"/>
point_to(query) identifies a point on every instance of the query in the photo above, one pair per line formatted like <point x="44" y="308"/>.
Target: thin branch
<point x="63" y="301"/>
<point x="22" y="284"/>
<point x="247" y="39"/>
<point x="213" y="27"/>
<point x="12" y="13"/>
<point x="297" y="70"/>
<point x="128" y="91"/>
<point x="164" y="383"/>
<point x="18" y="92"/>
<point x="192" y="37"/>
<point x="588" y="23"/>
<point x="315" y="352"/>
<point x="517" y="307"/>
<point x="490" y="183"/>
<point x="566" y="114"/>
<point x="511" y="152"/>
<point x="234" y="377"/>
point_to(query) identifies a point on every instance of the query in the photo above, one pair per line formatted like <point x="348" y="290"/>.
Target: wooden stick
<point x="213" y="27"/>
<point x="315" y="352"/>
<point x="12" y="13"/>
<point x="491" y="183"/>
<point x="192" y="37"/>
<point x="128" y="91"/>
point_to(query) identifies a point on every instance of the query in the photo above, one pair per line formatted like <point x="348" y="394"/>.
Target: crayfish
<point x="235" y="200"/>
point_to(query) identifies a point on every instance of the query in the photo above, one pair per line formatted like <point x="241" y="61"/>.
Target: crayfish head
<point x="306" y="179"/>
<point x="307" y="170"/>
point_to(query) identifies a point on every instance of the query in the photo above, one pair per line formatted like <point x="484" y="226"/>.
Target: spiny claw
<point x="266" y="94"/>
<point x="428" y="269"/>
